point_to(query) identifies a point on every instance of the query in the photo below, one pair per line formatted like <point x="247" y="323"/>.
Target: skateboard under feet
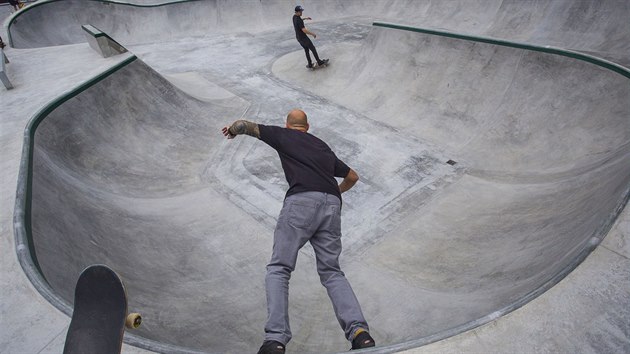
<point x="317" y="66"/>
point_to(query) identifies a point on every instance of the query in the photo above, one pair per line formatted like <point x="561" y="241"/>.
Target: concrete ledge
<point x="101" y="42"/>
<point x="3" y="71"/>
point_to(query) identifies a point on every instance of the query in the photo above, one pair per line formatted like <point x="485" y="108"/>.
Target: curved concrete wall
<point x="117" y="180"/>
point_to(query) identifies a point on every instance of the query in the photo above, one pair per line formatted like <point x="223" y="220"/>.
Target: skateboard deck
<point x="317" y="66"/>
<point x="100" y="313"/>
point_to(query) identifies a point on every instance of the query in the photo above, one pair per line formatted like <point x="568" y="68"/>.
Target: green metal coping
<point x="545" y="49"/>
<point x="22" y="217"/>
<point x="114" y="2"/>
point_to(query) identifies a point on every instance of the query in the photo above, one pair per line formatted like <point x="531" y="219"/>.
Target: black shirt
<point x="298" y="24"/>
<point x="309" y="164"/>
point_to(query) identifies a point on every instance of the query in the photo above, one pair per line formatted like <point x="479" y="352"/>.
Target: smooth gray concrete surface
<point x="134" y="172"/>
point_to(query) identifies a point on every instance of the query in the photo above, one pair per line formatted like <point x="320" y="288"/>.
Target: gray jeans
<point x="314" y="217"/>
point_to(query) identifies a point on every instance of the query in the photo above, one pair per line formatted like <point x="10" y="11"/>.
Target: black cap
<point x="299" y="8"/>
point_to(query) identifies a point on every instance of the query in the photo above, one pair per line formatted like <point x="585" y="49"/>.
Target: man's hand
<point x="349" y="181"/>
<point x="226" y="132"/>
<point x="307" y="18"/>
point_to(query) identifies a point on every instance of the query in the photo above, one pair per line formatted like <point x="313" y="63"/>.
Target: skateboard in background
<point x="317" y="66"/>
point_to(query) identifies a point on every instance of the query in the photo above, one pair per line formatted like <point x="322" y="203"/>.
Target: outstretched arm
<point x="241" y="127"/>
<point x="349" y="181"/>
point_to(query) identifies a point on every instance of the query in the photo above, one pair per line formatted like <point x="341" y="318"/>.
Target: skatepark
<point x="492" y="139"/>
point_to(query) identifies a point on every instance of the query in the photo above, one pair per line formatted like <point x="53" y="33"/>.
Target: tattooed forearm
<point x="244" y="127"/>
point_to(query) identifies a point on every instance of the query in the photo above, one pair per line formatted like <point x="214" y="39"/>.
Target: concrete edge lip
<point x="39" y="282"/>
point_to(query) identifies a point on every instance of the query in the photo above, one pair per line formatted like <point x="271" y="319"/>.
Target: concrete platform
<point x="492" y="253"/>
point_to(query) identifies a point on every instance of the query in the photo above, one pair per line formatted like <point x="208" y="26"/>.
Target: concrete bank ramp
<point x="116" y="180"/>
<point x="134" y="173"/>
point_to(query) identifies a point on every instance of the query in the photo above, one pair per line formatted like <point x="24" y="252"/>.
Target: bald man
<point x="311" y="213"/>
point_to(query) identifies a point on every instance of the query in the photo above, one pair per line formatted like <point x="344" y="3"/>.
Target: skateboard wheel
<point x="133" y="320"/>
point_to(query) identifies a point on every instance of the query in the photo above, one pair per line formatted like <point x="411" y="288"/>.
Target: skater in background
<point x="301" y="33"/>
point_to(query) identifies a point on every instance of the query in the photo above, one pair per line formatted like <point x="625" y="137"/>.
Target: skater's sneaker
<point x="323" y="62"/>
<point x="310" y="66"/>
<point x="271" y="347"/>
<point x="362" y="339"/>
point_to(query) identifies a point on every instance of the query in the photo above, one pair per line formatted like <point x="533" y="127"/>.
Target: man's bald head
<point x="296" y="119"/>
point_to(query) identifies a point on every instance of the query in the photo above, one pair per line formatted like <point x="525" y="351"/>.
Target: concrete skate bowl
<point x="130" y="171"/>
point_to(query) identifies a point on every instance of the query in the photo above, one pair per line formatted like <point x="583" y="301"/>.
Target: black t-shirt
<point x="309" y="164"/>
<point x="298" y="24"/>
